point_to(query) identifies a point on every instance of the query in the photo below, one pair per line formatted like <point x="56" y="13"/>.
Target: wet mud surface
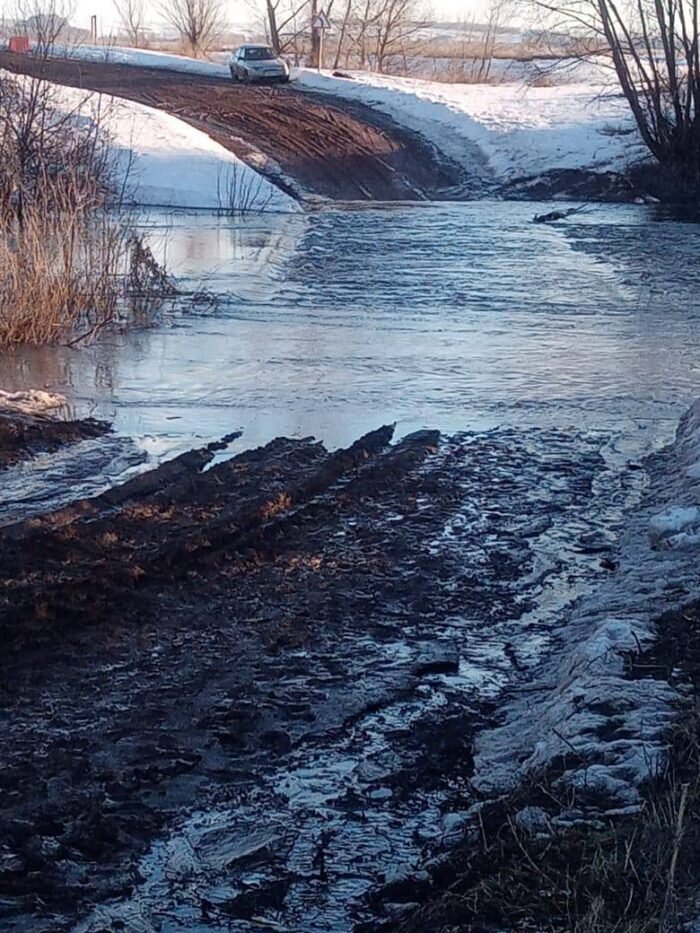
<point x="245" y="692"/>
<point x="328" y="147"/>
<point x="24" y="435"/>
<point x="576" y="185"/>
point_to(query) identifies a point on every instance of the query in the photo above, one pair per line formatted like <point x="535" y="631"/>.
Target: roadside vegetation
<point x="654" y="51"/>
<point x="71" y="259"/>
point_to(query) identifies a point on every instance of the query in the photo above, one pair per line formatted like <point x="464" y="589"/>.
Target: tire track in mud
<point x="251" y="689"/>
<point x="329" y="147"/>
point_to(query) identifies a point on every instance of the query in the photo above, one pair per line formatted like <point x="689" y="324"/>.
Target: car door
<point x="233" y="63"/>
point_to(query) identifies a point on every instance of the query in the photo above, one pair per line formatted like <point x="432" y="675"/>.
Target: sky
<point x="240" y="10"/>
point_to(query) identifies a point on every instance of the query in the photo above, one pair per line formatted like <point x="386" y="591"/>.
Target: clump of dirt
<point x="24" y="435"/>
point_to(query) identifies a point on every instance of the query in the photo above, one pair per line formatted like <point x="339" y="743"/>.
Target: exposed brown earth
<point x="328" y="147"/>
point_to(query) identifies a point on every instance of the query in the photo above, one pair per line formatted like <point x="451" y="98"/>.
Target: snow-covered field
<point x="507" y="130"/>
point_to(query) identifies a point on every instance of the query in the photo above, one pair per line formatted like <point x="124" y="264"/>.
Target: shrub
<point x="71" y="261"/>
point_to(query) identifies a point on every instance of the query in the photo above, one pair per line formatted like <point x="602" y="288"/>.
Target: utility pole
<point x="93" y="30"/>
<point x="315" y="37"/>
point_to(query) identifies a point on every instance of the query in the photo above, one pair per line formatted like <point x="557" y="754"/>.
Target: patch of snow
<point x="31" y="402"/>
<point x="119" y="55"/>
<point x="674" y="519"/>
<point x="581" y="705"/>
<point x="533" y="820"/>
<point x="676" y="527"/>
<point x="506" y="131"/>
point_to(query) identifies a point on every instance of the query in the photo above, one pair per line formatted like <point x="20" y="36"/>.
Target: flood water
<point x="565" y="351"/>
<point x="450" y="316"/>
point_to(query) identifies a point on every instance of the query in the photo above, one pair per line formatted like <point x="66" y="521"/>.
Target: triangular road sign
<point x="321" y="21"/>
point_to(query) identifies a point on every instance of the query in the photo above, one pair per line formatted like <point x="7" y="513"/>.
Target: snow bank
<point x="507" y="130"/>
<point x="117" y="55"/>
<point x="166" y="162"/>
<point x="581" y="702"/>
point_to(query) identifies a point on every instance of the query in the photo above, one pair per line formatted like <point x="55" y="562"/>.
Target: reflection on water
<point x="452" y="316"/>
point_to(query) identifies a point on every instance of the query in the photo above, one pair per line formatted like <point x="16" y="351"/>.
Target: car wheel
<point x="284" y="80"/>
<point x="234" y="75"/>
<point x="246" y="77"/>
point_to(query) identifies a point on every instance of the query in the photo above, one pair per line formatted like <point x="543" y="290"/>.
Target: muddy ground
<point x="25" y="435"/>
<point x="211" y="632"/>
<point x="327" y="147"/>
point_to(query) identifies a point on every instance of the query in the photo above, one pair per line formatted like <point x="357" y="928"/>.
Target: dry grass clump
<point x="66" y="276"/>
<point x="631" y="874"/>
<point x="71" y="261"/>
<point x="241" y="194"/>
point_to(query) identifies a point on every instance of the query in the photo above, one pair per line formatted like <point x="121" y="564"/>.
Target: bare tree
<point x="199" y="23"/>
<point x="397" y="21"/>
<point x="343" y="32"/>
<point x="374" y="32"/>
<point x="362" y="28"/>
<point x="654" y="47"/>
<point x="131" y="15"/>
<point x="496" y="9"/>
<point x="288" y="23"/>
<point x="44" y="22"/>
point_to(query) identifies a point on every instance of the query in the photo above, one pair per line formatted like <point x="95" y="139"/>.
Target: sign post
<point x="320" y="24"/>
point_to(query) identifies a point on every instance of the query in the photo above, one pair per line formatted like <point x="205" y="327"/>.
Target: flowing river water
<point x="448" y="316"/>
<point x="558" y="354"/>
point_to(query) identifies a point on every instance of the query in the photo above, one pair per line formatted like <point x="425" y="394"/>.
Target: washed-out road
<point x="301" y="140"/>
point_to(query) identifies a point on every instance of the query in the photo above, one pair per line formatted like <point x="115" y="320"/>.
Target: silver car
<point x="258" y="63"/>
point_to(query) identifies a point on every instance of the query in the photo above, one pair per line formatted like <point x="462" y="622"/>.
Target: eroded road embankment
<point x="325" y="146"/>
<point x="250" y="689"/>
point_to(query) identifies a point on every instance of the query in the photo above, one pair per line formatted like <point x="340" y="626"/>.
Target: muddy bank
<point x="24" y="435"/>
<point x="253" y="688"/>
<point x="583" y="185"/>
<point x="315" y="144"/>
<point x="543" y="857"/>
<point x="590" y="783"/>
<point x="305" y="143"/>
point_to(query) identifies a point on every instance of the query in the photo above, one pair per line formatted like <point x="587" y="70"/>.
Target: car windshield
<point x="259" y="55"/>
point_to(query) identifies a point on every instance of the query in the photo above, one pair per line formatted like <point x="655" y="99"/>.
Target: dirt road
<point x="325" y="146"/>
